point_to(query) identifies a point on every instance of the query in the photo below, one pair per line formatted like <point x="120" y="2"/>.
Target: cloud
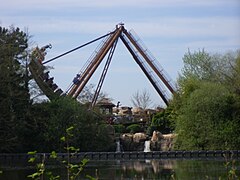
<point x="188" y="27"/>
<point x="63" y="4"/>
<point x="160" y="27"/>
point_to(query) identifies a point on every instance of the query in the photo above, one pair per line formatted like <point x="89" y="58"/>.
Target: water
<point x="186" y="169"/>
<point x="118" y="149"/>
<point x="147" y="146"/>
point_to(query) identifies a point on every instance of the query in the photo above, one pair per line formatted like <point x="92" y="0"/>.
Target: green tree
<point x="206" y="103"/>
<point x="208" y="119"/>
<point x="163" y="121"/>
<point x="134" y="128"/>
<point x="56" y="116"/>
<point x="198" y="64"/>
<point x="233" y="79"/>
<point x="14" y="92"/>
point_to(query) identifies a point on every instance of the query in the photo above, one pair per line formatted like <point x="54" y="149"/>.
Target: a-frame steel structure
<point x="149" y="65"/>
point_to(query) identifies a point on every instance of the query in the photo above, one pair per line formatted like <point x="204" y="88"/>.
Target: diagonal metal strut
<point x="100" y="83"/>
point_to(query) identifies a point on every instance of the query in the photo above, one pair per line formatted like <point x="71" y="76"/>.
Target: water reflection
<point x="136" y="169"/>
<point x="155" y="166"/>
<point x="148" y="169"/>
<point x="162" y="169"/>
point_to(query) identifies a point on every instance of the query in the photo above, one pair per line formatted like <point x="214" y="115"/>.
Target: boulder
<point x="157" y="136"/>
<point x="139" y="137"/>
<point x="133" y="142"/>
<point x="162" y="142"/>
<point x="127" y="137"/>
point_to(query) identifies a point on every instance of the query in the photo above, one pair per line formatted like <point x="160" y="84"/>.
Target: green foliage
<point x="206" y="105"/>
<point x="163" y="121"/>
<point x="234" y="78"/>
<point x="134" y="128"/>
<point x="40" y="167"/>
<point x="105" y="138"/>
<point x="150" y="130"/>
<point x="230" y="166"/>
<point x="14" y="92"/>
<point x="61" y="114"/>
<point x="73" y="169"/>
<point x="198" y="64"/>
<point x="25" y="126"/>
<point x="119" y="128"/>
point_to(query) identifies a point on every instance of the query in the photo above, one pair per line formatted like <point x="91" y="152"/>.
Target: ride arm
<point x="97" y="59"/>
<point x="150" y="61"/>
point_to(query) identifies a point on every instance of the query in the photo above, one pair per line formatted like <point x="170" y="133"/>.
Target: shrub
<point x="134" y="128"/>
<point x="119" y="128"/>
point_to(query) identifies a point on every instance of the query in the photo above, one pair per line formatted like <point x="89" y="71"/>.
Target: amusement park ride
<point x="149" y="65"/>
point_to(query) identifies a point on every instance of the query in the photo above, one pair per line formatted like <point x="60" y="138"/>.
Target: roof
<point x="105" y="102"/>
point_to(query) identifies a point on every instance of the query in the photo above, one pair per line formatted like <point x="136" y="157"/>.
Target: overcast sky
<point x="168" y="29"/>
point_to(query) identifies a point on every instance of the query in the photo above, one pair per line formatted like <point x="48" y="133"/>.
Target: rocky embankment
<point x="136" y="142"/>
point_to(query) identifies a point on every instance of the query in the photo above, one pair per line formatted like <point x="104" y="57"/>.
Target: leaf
<point x="41" y="166"/>
<point x="64" y="161"/>
<point x="71" y="148"/>
<point x="72" y="166"/>
<point x="32" y="159"/>
<point x="33" y="175"/>
<point x="90" y="177"/>
<point x="52" y="177"/>
<point x="53" y="155"/>
<point x="85" y="161"/>
<point x="32" y="153"/>
<point x="69" y="130"/>
<point x="63" y="138"/>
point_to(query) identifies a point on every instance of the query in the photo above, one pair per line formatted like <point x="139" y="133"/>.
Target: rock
<point x="160" y="142"/>
<point x="139" y="137"/>
<point x="133" y="142"/>
<point x="157" y="136"/>
<point x="127" y="137"/>
<point x="126" y="141"/>
<point x="167" y="143"/>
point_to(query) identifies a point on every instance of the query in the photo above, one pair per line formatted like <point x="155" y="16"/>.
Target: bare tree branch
<point x="141" y="99"/>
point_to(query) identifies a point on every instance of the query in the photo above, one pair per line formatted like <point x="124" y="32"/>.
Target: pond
<point x="185" y="169"/>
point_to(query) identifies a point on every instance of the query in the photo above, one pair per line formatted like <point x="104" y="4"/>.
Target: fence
<point x="128" y="155"/>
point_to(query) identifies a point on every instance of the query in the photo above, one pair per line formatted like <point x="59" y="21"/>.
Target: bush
<point x="209" y="119"/>
<point x="56" y="116"/>
<point x="134" y="128"/>
<point x="119" y="128"/>
<point x="162" y="122"/>
<point x="105" y="138"/>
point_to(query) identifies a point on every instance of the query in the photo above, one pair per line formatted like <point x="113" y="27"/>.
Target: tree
<point x="203" y="66"/>
<point x="233" y="79"/>
<point x="209" y="119"/>
<point x="198" y="64"/>
<point x="141" y="99"/>
<point x="61" y="114"/>
<point x="206" y="103"/>
<point x="14" y="92"/>
<point x="163" y="121"/>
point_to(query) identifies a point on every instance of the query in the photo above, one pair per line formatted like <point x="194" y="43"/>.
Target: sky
<point x="168" y="29"/>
